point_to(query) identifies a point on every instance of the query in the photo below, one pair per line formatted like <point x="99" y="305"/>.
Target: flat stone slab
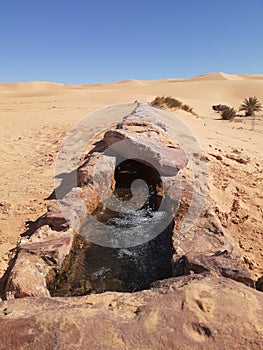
<point x="164" y="156"/>
<point x="180" y="313"/>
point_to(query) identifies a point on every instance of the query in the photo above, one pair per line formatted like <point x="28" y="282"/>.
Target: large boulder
<point x="190" y="312"/>
<point x="220" y="108"/>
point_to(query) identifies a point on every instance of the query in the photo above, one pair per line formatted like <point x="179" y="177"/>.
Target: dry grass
<point x="170" y="102"/>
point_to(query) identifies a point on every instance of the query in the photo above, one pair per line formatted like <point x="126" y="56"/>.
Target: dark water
<point x="94" y="268"/>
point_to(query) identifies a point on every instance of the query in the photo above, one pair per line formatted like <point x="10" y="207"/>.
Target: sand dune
<point x="36" y="115"/>
<point x="252" y="76"/>
<point x="216" y="76"/>
<point x="225" y="76"/>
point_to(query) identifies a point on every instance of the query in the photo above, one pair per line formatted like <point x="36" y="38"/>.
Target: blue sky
<point x="84" y="41"/>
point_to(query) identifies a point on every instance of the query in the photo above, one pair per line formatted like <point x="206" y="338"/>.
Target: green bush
<point x="228" y="113"/>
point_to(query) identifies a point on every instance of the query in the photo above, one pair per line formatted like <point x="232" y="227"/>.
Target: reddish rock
<point x="56" y="218"/>
<point x="36" y="257"/>
<point x="221" y="264"/>
<point x="28" y="277"/>
<point x="166" y="158"/>
<point x="180" y="313"/>
<point x="54" y="250"/>
<point x="98" y="171"/>
<point x="206" y="237"/>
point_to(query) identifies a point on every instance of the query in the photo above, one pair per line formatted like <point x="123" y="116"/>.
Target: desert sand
<point x="36" y="115"/>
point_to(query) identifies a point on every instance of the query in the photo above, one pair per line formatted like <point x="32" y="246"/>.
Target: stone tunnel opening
<point x="130" y="170"/>
<point x="94" y="268"/>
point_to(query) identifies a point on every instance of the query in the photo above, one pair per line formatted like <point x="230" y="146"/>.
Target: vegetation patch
<point x="172" y="103"/>
<point x="228" y="113"/>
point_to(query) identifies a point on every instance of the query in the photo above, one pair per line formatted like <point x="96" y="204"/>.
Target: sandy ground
<point x="35" y="116"/>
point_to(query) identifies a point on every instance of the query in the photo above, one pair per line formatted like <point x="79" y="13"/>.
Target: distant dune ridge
<point x="219" y="87"/>
<point x="36" y="115"/>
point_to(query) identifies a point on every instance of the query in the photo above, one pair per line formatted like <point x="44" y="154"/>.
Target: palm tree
<point x="251" y="106"/>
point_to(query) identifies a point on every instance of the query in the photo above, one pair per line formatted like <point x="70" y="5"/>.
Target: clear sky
<point x="85" y="41"/>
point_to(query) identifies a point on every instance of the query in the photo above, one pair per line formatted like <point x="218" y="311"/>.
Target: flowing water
<point x="93" y="268"/>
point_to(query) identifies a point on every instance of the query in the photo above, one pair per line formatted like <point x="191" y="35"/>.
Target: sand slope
<point x="34" y="117"/>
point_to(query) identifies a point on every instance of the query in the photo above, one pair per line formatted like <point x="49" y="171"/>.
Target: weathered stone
<point x="206" y="237"/>
<point x="70" y="212"/>
<point x="220" y="108"/>
<point x="181" y="313"/>
<point x="98" y="170"/>
<point x="90" y="198"/>
<point x="164" y="157"/>
<point x="221" y="264"/>
<point x="55" y="247"/>
<point x="27" y="277"/>
<point x="75" y="207"/>
<point x="143" y="116"/>
<point x="56" y="218"/>
<point x="36" y="257"/>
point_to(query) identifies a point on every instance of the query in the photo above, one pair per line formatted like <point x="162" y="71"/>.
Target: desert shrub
<point x="187" y="108"/>
<point x="167" y="102"/>
<point x="228" y="113"/>
<point x="158" y="101"/>
<point x="170" y="102"/>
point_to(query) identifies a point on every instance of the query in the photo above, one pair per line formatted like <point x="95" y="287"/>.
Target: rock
<point x="259" y="284"/>
<point x="98" y="170"/>
<point x="207" y="248"/>
<point x="217" y="156"/>
<point x="27" y="277"/>
<point x="164" y="157"/>
<point x="36" y="258"/>
<point x="55" y="218"/>
<point x="143" y="116"/>
<point x="54" y="247"/>
<point x="70" y="212"/>
<point x="221" y="264"/>
<point x="238" y="159"/>
<point x="206" y="237"/>
<point x="75" y="205"/>
<point x="181" y="313"/>
<point x="220" y="108"/>
<point x="90" y="198"/>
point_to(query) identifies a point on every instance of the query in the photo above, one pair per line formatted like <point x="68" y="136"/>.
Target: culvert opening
<point x="130" y="170"/>
<point x="94" y="268"/>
